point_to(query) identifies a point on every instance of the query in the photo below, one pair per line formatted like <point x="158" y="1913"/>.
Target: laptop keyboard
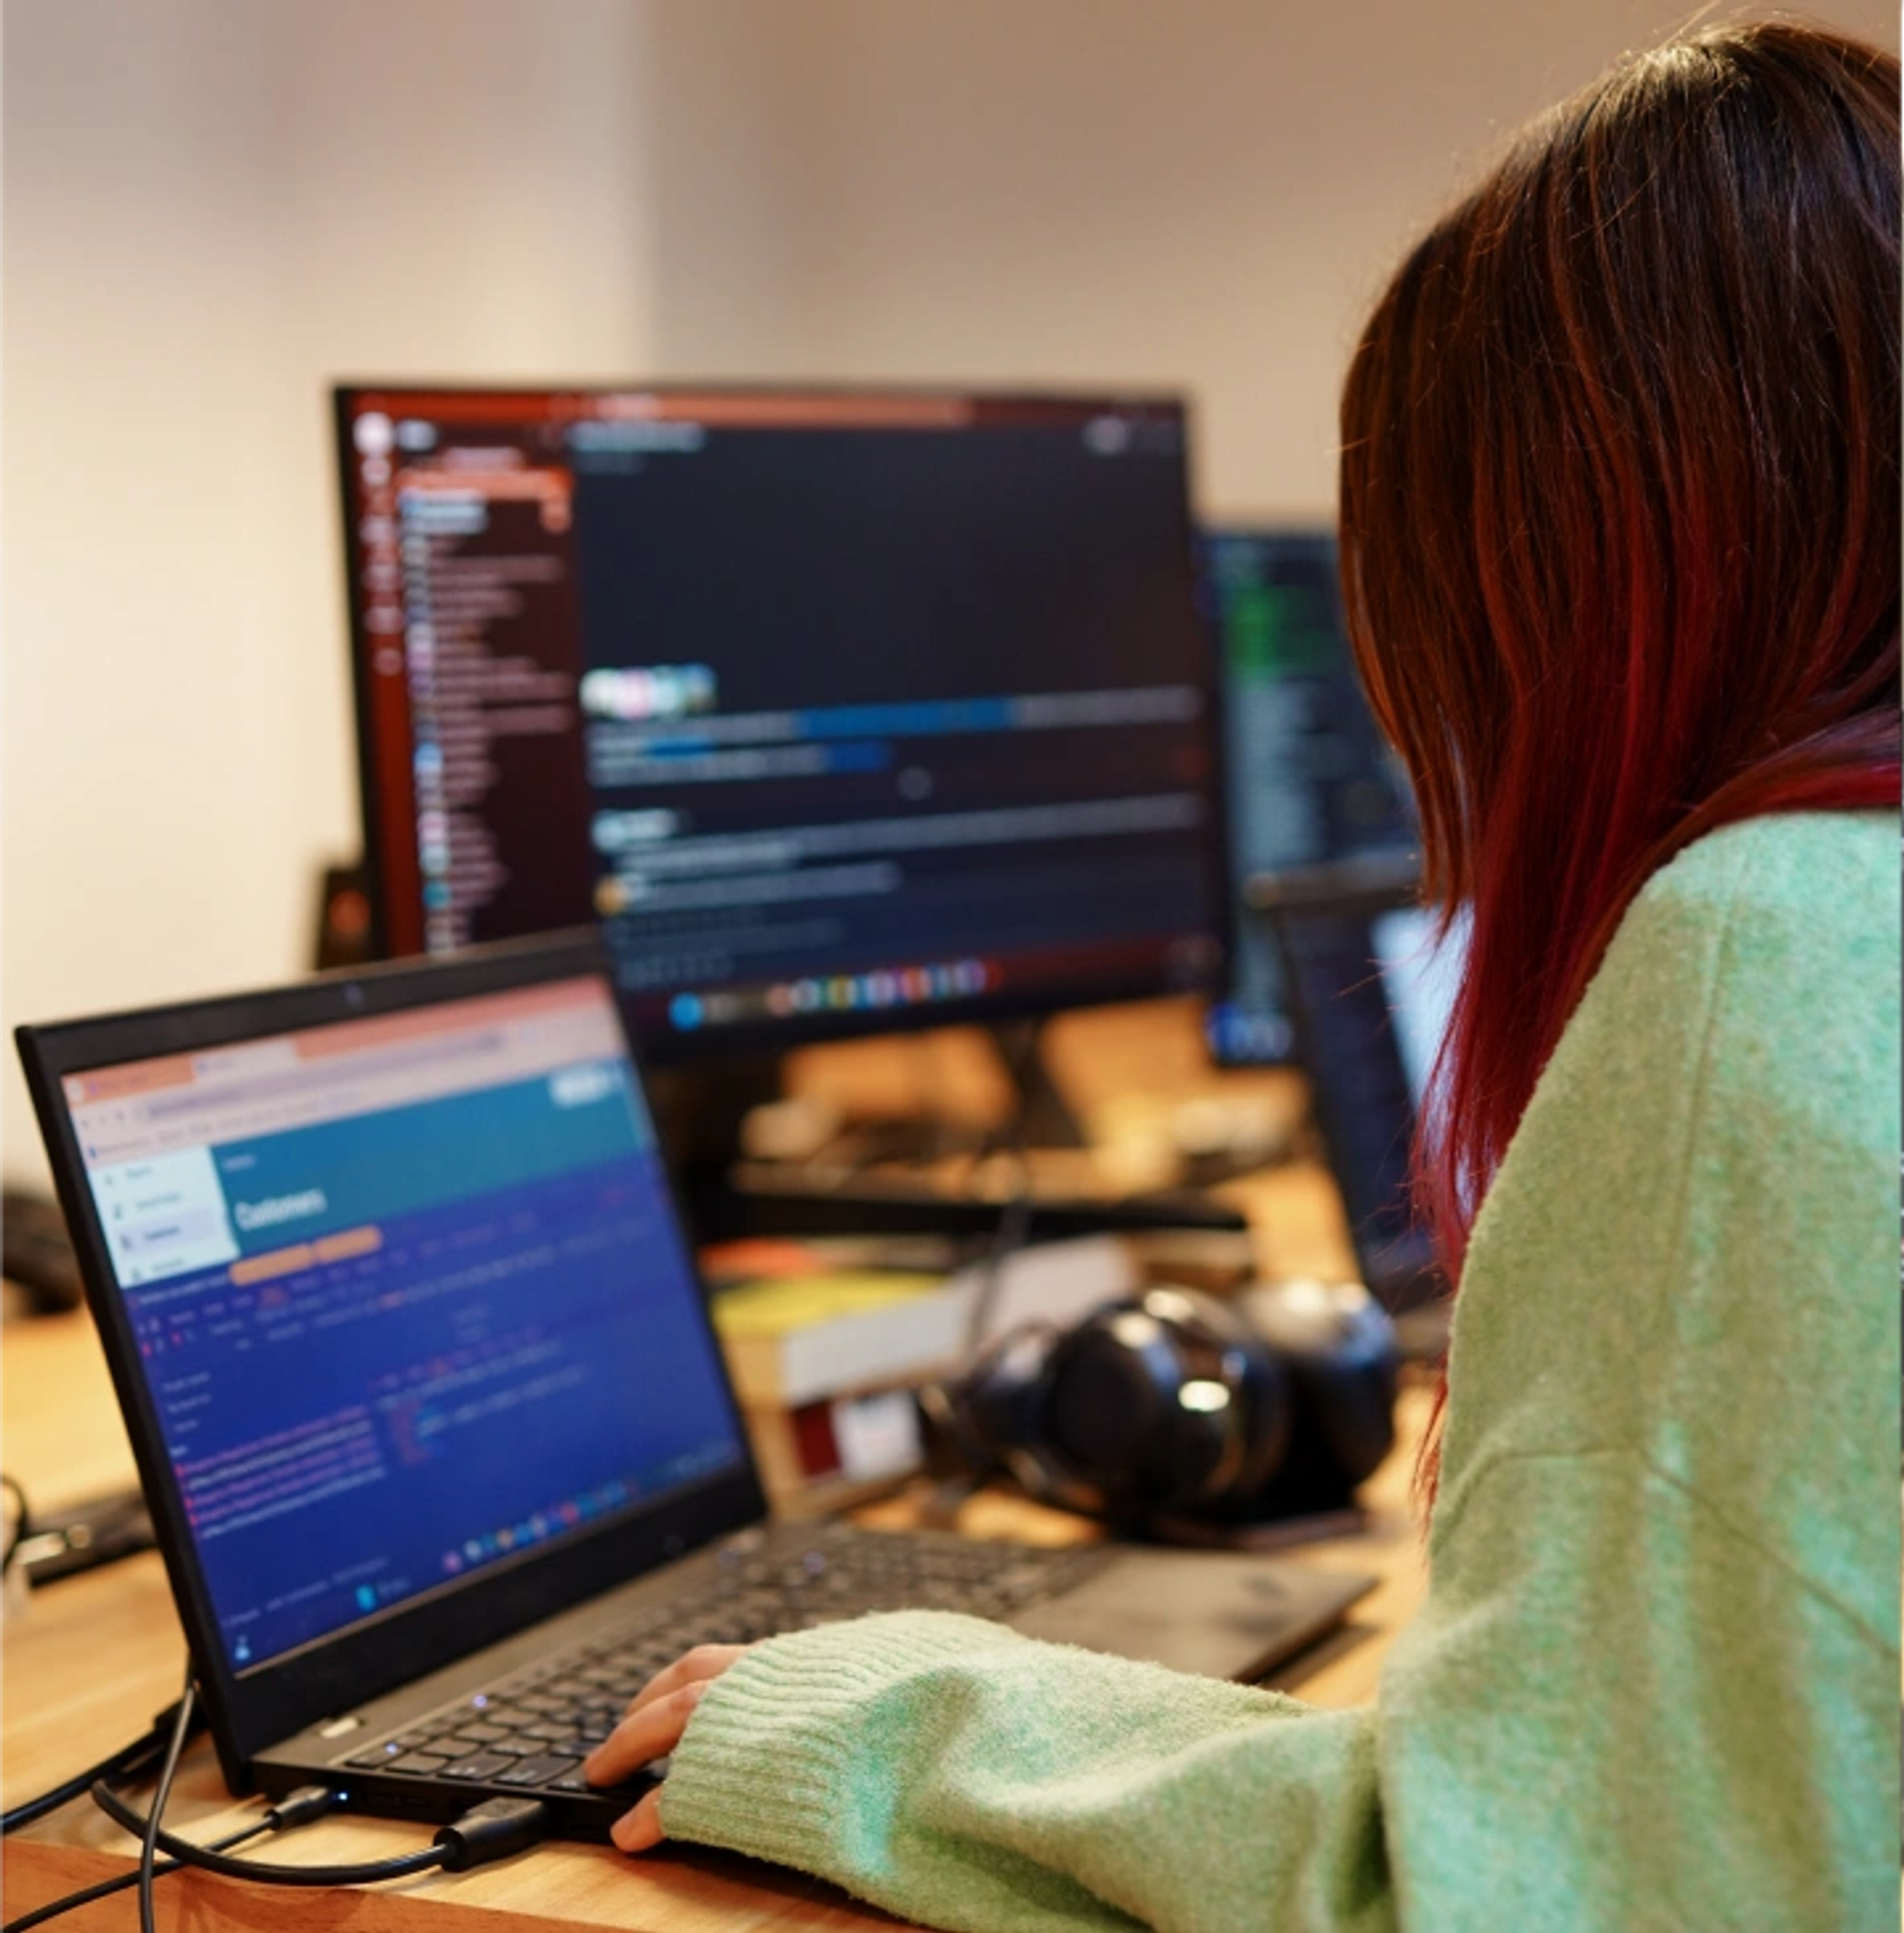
<point x="532" y="1729"/>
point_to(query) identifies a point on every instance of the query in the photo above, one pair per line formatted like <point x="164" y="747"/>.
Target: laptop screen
<point x="1420" y="974"/>
<point x="1372" y="987"/>
<point x="409" y="1296"/>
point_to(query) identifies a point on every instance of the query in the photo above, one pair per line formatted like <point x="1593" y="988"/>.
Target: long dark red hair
<point x="1620" y="522"/>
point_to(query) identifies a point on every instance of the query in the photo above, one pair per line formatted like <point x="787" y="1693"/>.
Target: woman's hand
<point x="651" y="1728"/>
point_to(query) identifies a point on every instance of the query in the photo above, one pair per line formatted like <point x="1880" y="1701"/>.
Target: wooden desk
<point x="92" y="1659"/>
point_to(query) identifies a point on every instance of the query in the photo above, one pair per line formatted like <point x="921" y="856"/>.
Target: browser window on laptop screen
<point x="393" y="1282"/>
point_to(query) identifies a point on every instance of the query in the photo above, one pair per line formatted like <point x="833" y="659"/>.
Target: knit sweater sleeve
<point x="955" y="1772"/>
<point x="1655" y="1678"/>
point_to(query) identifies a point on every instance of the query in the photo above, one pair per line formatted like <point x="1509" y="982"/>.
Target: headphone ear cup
<point x="1163" y="1405"/>
<point x="1338" y="1345"/>
<point x="991" y="1419"/>
<point x="1266" y="1401"/>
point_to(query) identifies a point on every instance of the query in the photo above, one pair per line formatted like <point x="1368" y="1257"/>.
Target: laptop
<point x="1371" y="982"/>
<point x="437" y="1437"/>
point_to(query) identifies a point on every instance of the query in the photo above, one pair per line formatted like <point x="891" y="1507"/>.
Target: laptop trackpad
<point x="1224" y="1615"/>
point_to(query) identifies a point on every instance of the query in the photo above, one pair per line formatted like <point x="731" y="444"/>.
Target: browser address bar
<point x="313" y="1075"/>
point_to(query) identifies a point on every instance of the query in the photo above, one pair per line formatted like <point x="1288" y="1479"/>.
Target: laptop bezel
<point x="270" y="1701"/>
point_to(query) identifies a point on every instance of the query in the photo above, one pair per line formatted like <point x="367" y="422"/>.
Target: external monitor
<point x="1311" y="781"/>
<point x="842" y="710"/>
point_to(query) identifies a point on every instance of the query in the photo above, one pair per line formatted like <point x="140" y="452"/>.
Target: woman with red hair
<point x="1620" y="548"/>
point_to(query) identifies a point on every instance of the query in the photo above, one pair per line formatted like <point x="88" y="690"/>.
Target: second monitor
<point x="1312" y="786"/>
<point x="843" y="710"/>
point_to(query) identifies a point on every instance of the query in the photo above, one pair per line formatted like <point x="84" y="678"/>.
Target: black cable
<point x="128" y="1761"/>
<point x="186" y="1854"/>
<point x="490" y="1830"/>
<point x="1015" y="1222"/>
<point x="149" y="1839"/>
<point x="299" y="1808"/>
<point x="73" y="1901"/>
<point x="939" y="1399"/>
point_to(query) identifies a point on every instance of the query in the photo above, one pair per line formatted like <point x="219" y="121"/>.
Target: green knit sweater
<point x="1656" y="1680"/>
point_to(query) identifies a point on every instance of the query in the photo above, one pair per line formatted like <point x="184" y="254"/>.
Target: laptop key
<point x="555" y="1731"/>
<point x="575" y="1781"/>
<point x="420" y="1742"/>
<point x="537" y="1771"/>
<point x="460" y="1744"/>
<point x="417" y="1761"/>
<point x="486" y="1764"/>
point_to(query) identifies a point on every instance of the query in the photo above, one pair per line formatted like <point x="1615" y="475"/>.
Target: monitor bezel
<point x="768" y="1039"/>
<point x="270" y="1701"/>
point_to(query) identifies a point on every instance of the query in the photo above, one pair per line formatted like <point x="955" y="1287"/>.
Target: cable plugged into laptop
<point x="299" y="1808"/>
<point x="302" y="1807"/>
<point x="492" y="1831"/>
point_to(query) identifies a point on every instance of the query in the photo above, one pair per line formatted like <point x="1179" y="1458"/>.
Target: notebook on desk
<point x="437" y="1440"/>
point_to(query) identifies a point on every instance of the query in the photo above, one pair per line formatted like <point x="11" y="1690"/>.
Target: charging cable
<point x="73" y="1901"/>
<point x="298" y="1808"/>
<point x="129" y="1762"/>
<point x="490" y="1830"/>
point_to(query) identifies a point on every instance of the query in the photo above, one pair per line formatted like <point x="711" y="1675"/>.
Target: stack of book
<point x="825" y="1361"/>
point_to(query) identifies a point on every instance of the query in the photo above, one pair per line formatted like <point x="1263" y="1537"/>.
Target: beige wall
<point x="1205" y="193"/>
<point x="212" y="209"/>
<point x="214" y="206"/>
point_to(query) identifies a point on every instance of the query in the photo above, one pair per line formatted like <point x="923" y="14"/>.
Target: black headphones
<point x="1176" y="1414"/>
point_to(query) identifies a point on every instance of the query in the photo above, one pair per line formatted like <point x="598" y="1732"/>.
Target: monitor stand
<point x="1040" y="1114"/>
<point x="699" y="1111"/>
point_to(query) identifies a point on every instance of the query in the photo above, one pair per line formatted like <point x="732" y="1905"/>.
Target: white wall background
<point x="1204" y="193"/>
<point x="209" y="208"/>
